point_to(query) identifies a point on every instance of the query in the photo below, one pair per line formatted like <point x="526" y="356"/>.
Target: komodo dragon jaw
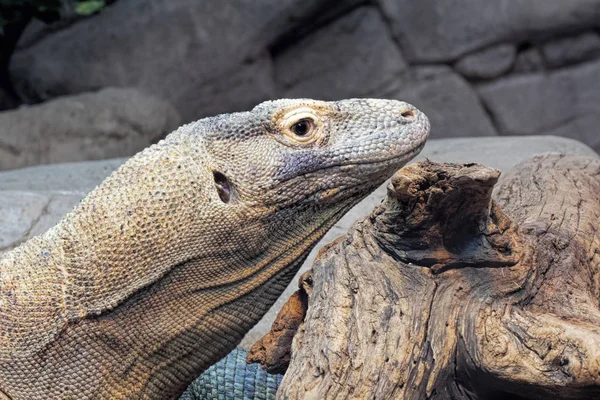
<point x="162" y="269"/>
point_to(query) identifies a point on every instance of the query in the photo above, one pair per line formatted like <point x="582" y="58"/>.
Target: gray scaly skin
<point x="161" y="270"/>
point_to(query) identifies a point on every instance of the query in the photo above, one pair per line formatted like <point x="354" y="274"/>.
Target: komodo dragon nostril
<point x="408" y="114"/>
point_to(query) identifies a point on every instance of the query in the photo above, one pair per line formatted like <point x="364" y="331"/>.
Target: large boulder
<point x="184" y="51"/>
<point x="571" y="49"/>
<point x="451" y="104"/>
<point x="91" y="126"/>
<point x="440" y="31"/>
<point x="354" y="56"/>
<point x="564" y="102"/>
<point x="488" y="63"/>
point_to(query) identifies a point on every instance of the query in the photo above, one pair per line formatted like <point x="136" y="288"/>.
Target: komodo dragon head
<point x="294" y="167"/>
<point x="163" y="268"/>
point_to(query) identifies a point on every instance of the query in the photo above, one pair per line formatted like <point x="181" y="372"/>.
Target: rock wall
<point x="477" y="68"/>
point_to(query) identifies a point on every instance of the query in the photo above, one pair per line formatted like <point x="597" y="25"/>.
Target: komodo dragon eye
<point x="302" y="127"/>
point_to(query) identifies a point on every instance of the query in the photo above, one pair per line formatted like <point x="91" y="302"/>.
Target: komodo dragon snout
<point x="162" y="269"/>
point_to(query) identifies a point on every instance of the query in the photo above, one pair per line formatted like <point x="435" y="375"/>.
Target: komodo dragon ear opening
<point x="223" y="186"/>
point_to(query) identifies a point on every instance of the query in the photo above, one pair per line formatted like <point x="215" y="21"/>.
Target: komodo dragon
<point x="161" y="270"/>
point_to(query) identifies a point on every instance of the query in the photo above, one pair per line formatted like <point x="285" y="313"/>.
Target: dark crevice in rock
<point x="388" y="25"/>
<point x="488" y="112"/>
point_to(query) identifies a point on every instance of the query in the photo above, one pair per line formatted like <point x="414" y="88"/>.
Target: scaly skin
<point x="161" y="270"/>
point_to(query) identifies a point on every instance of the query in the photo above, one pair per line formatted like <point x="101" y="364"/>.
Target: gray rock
<point x="571" y="49"/>
<point x="71" y="178"/>
<point x="501" y="153"/>
<point x="236" y="90"/>
<point x="25" y="214"/>
<point x="172" y="49"/>
<point x="527" y="104"/>
<point x="453" y="107"/>
<point x="108" y="123"/>
<point x="488" y="63"/>
<point x="36" y="198"/>
<point x="529" y="60"/>
<point x="586" y="128"/>
<point x="434" y="30"/>
<point x="19" y="211"/>
<point x="564" y="102"/>
<point x="351" y="57"/>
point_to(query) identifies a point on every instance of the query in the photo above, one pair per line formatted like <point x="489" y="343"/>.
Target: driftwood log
<point x="444" y="293"/>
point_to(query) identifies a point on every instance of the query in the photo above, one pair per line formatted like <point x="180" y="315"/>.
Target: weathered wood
<point x="273" y="351"/>
<point x="444" y="294"/>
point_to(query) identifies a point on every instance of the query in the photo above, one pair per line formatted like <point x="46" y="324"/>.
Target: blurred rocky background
<point x="88" y="80"/>
<point x="85" y="80"/>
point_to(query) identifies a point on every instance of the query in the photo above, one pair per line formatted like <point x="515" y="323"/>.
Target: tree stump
<point x="444" y="293"/>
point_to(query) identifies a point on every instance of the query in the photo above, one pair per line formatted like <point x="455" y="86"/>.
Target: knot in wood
<point x="442" y="216"/>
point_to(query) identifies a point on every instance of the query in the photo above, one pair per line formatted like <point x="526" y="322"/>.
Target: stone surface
<point x="433" y="30"/>
<point x="564" y="102"/>
<point x="238" y="89"/>
<point x="350" y="57"/>
<point x="174" y="49"/>
<point x="24" y="214"/>
<point x="34" y="199"/>
<point x="108" y="123"/>
<point x="452" y="106"/>
<point x="19" y="211"/>
<point x="72" y="178"/>
<point x="488" y="63"/>
<point x="571" y="50"/>
<point x="585" y="127"/>
<point x="529" y="60"/>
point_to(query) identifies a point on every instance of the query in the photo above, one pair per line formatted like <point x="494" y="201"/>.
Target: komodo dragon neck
<point x="162" y="269"/>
